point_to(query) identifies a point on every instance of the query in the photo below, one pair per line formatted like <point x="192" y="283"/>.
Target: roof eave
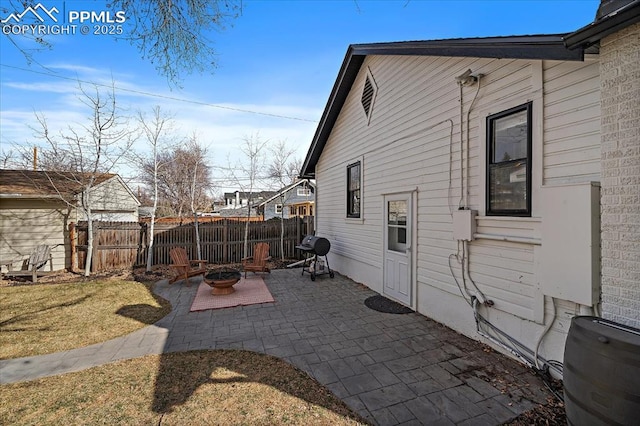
<point x="29" y="196"/>
<point x="596" y="31"/>
<point x="348" y="70"/>
<point x="548" y="46"/>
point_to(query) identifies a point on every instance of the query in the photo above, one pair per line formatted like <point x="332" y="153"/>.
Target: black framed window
<point x="354" y="195"/>
<point x="509" y="162"/>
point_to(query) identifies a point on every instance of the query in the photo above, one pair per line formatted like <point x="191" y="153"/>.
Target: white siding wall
<point x="413" y="131"/>
<point x="572" y="122"/>
<point x="26" y="224"/>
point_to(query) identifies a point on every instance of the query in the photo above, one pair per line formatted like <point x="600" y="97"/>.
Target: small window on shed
<point x="368" y="95"/>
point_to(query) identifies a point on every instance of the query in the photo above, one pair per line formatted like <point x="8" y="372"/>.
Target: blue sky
<point x="278" y="57"/>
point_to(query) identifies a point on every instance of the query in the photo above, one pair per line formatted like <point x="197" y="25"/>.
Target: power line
<point x="155" y="95"/>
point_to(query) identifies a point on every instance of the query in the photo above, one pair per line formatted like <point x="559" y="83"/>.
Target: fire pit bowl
<point x="221" y="282"/>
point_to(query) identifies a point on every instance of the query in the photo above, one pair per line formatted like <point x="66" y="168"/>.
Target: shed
<point x="36" y="207"/>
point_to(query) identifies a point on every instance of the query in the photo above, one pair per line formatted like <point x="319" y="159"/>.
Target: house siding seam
<point x="620" y="201"/>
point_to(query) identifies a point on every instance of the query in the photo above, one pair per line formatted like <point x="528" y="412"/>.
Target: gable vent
<point x="368" y="95"/>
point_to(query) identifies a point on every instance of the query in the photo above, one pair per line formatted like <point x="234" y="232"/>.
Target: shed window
<point x="354" y="195"/>
<point x="509" y="162"/>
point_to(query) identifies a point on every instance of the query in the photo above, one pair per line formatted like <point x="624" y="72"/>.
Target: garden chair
<point x="184" y="267"/>
<point x="32" y="266"/>
<point x="257" y="262"/>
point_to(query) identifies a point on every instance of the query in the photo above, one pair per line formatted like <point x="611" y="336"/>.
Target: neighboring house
<point x="295" y="200"/>
<point x="463" y="193"/>
<point x="238" y="199"/>
<point x="32" y="210"/>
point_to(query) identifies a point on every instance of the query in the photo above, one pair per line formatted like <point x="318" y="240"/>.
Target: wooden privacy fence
<point x="118" y="245"/>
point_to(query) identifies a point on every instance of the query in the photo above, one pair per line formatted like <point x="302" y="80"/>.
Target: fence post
<point x="225" y="240"/>
<point x="94" y="254"/>
<point x="143" y="241"/>
<point x="72" y="247"/>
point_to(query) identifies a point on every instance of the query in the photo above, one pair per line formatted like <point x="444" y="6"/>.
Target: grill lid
<point x="319" y="245"/>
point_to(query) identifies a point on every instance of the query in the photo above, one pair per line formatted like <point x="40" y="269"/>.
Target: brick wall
<point x="620" y="202"/>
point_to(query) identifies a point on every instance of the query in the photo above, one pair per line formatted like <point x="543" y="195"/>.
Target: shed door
<point x="397" y="247"/>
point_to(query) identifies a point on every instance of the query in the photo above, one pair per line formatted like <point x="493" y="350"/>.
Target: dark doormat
<point x="382" y="304"/>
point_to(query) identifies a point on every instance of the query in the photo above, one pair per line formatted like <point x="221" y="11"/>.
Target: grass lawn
<point x="42" y="319"/>
<point x="221" y="387"/>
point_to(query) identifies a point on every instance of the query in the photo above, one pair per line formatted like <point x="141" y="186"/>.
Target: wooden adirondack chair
<point x="184" y="267"/>
<point x="257" y="262"/>
<point x="31" y="266"/>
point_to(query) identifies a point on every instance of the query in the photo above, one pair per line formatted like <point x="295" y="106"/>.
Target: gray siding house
<point x="295" y="200"/>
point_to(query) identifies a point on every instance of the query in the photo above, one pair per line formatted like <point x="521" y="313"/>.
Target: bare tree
<point x="246" y="174"/>
<point x="82" y="156"/>
<point x="7" y="157"/>
<point x="175" y="182"/>
<point x="172" y="35"/>
<point x="280" y="171"/>
<point x="196" y="198"/>
<point x="157" y="132"/>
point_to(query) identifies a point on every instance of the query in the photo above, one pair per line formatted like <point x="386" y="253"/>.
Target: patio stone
<point x="391" y="369"/>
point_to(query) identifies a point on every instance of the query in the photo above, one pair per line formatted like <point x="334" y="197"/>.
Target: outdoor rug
<point x="382" y="304"/>
<point x="248" y="292"/>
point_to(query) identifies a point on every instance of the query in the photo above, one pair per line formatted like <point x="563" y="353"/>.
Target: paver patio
<point x="391" y="369"/>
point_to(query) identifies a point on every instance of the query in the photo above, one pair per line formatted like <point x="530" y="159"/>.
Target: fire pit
<point x="221" y="282"/>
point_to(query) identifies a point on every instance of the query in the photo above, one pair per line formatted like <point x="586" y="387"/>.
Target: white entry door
<point x="397" y="247"/>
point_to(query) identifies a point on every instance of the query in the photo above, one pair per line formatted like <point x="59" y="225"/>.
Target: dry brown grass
<point x="222" y="387"/>
<point x="40" y="319"/>
<point x="201" y="387"/>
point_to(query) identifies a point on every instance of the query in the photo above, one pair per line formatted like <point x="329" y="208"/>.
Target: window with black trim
<point x="508" y="188"/>
<point x="353" y="190"/>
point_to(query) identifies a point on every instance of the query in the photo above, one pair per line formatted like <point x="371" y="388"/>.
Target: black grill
<point x="313" y="247"/>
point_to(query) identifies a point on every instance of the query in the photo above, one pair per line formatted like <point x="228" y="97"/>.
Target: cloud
<point x="56" y="87"/>
<point x="220" y="126"/>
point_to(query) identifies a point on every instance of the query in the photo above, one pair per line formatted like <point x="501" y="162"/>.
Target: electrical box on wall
<point x="464" y="224"/>
<point x="569" y="266"/>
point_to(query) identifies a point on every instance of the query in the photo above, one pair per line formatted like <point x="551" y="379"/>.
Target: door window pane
<point x="397" y="225"/>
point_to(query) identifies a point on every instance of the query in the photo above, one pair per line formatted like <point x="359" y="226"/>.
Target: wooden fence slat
<point x="119" y="245"/>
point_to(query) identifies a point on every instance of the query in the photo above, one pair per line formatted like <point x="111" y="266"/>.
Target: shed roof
<point x="550" y="47"/>
<point x="42" y="184"/>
